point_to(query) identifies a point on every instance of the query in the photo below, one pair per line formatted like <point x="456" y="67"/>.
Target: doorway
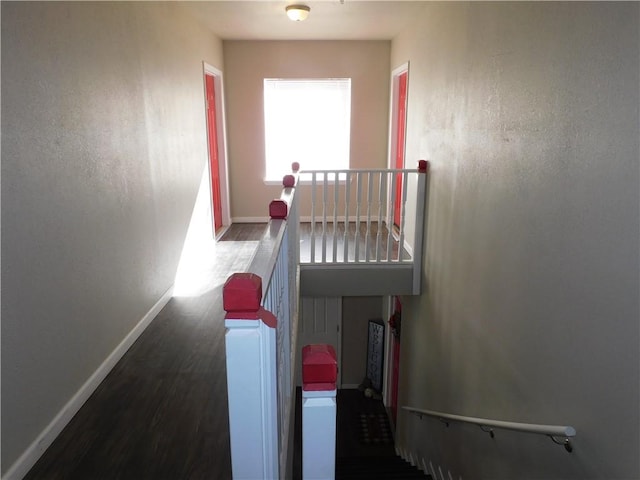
<point x="395" y="321"/>
<point x="217" y="158"/>
<point x="320" y="322"/>
<point x="399" y="85"/>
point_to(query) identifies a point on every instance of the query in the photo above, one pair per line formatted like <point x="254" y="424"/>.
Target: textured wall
<point x="529" y="115"/>
<point x="103" y="147"/>
<point x="248" y="63"/>
<point x="356" y="313"/>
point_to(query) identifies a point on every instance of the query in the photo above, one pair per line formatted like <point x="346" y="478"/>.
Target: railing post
<point x="420" y="233"/>
<point x="319" y="374"/>
<point x="250" y="344"/>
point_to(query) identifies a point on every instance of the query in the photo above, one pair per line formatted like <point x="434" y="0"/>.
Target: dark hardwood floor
<point x="351" y="405"/>
<point x="161" y="413"/>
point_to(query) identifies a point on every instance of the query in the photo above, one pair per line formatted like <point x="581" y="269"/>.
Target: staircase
<point x="365" y="446"/>
<point x="376" y="468"/>
<point x="357" y="458"/>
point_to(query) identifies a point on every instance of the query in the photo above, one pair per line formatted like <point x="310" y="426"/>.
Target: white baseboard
<point x="220" y="233"/>
<point x="27" y="460"/>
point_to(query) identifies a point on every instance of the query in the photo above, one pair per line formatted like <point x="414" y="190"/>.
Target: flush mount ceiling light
<point x="298" y="13"/>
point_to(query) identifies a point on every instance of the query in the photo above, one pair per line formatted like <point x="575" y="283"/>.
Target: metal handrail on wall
<point x="487" y="425"/>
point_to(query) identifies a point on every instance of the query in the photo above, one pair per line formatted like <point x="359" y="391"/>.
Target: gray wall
<point x="103" y="147"/>
<point x="248" y="63"/>
<point x="356" y="313"/>
<point x="528" y="113"/>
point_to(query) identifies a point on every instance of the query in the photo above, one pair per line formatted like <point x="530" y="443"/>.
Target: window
<point x="306" y="121"/>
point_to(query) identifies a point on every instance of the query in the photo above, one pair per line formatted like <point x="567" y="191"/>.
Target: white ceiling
<point x="328" y="20"/>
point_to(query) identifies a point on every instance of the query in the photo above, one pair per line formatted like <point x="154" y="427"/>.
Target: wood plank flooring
<point x="161" y="414"/>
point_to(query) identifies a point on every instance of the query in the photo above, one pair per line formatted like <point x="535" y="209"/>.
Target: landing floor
<point x="162" y="411"/>
<point x="161" y="414"/>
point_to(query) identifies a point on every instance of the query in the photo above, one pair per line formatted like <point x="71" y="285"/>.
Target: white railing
<point x="262" y="303"/>
<point x="360" y="216"/>
<point x="487" y="425"/>
<point x="362" y="231"/>
<point x="261" y="321"/>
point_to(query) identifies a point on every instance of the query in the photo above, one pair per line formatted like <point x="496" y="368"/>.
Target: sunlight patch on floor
<point x="198" y="253"/>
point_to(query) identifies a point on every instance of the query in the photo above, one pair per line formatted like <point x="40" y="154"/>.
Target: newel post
<point x="420" y="231"/>
<point x="319" y="374"/>
<point x="250" y="343"/>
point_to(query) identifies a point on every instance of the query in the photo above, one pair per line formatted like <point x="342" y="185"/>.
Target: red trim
<point x="318" y="387"/>
<point x="242" y="292"/>
<point x="401" y="131"/>
<point x="288" y="181"/>
<point x="278" y="209"/>
<point x="395" y="362"/>
<point x="214" y="166"/>
<point x="241" y="298"/>
<point x="319" y="365"/>
<point x="268" y="318"/>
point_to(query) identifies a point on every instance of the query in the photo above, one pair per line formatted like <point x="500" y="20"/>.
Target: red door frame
<point x="214" y="163"/>
<point x="395" y="325"/>
<point x="399" y="106"/>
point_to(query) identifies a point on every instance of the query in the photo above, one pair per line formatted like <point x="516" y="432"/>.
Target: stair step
<point x="380" y="468"/>
<point x="377" y="466"/>
<point x="377" y="475"/>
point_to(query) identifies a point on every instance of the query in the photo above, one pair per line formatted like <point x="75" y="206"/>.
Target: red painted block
<point x="268" y="318"/>
<point x="242" y="292"/>
<point x="319" y="366"/>
<point x="423" y="166"/>
<point x="278" y="209"/>
<point x="288" y="181"/>
<point x="295" y="166"/>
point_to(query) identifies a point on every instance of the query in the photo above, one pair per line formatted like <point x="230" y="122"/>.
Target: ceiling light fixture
<point x="298" y="13"/>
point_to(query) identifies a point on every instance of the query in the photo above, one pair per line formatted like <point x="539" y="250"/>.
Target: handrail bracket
<point x="488" y="430"/>
<point x="566" y="443"/>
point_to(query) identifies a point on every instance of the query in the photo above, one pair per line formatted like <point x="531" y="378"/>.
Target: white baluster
<point x="313" y="217"/>
<point x="391" y="207"/>
<point x="381" y="211"/>
<point x="369" y="209"/>
<point x="347" y="201"/>
<point x="324" y="217"/>
<point x="403" y="209"/>
<point x="336" y="191"/>
<point x="358" y="200"/>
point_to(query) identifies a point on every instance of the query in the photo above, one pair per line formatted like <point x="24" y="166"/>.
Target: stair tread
<point x="377" y="466"/>
<point x="380" y="475"/>
<point x="381" y="468"/>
